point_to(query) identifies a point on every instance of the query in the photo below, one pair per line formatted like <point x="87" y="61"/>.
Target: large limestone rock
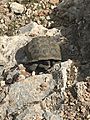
<point x="31" y="90"/>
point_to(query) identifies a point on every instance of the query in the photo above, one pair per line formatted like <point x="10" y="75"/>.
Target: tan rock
<point x="2" y="83"/>
<point x="16" y="7"/>
<point x="54" y="1"/>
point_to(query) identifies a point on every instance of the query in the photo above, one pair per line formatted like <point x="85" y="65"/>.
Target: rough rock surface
<point x="34" y="97"/>
<point x="26" y="92"/>
<point x="9" y="47"/>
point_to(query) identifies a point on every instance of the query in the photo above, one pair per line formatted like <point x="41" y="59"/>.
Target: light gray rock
<point x="11" y="49"/>
<point x="31" y="90"/>
<point x="17" y="8"/>
<point x="33" y="29"/>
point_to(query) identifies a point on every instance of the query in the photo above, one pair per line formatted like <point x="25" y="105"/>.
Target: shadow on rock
<point x="72" y="19"/>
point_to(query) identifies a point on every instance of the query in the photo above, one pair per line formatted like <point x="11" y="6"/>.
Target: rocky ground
<point x="26" y="96"/>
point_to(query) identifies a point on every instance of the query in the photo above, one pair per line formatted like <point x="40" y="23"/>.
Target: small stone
<point x="88" y="117"/>
<point x="83" y="109"/>
<point x="54" y="2"/>
<point x="48" y="17"/>
<point x="33" y="73"/>
<point x="25" y="73"/>
<point x="57" y="67"/>
<point x="21" y="77"/>
<point x="21" y="67"/>
<point x="17" y="8"/>
<point x="2" y="83"/>
<point x="2" y="21"/>
<point x="52" y="7"/>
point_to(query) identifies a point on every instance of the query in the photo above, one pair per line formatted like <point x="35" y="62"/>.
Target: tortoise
<point x="42" y="53"/>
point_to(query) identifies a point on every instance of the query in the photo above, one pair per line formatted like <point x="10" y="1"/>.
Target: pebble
<point x="2" y="21"/>
<point x="17" y="8"/>
<point x="54" y="1"/>
<point x="33" y="73"/>
<point x="88" y="117"/>
<point x="48" y="17"/>
<point x="2" y="83"/>
<point x="21" y="67"/>
<point x="21" y="77"/>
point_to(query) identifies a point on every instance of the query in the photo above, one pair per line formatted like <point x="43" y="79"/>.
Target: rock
<point x="2" y="83"/>
<point x="22" y="72"/>
<point x="52" y="32"/>
<point x="33" y="73"/>
<point x="54" y="1"/>
<point x="2" y="96"/>
<point x="29" y="91"/>
<point x="17" y="8"/>
<point x="88" y="117"/>
<point x="66" y="71"/>
<point x="11" y="49"/>
<point x="21" y="67"/>
<point x="33" y="29"/>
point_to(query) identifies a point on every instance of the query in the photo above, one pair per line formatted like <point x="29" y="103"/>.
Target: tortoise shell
<point x="42" y="48"/>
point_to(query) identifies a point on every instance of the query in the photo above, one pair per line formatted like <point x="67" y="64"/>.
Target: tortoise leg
<point x="30" y="67"/>
<point x="43" y="66"/>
